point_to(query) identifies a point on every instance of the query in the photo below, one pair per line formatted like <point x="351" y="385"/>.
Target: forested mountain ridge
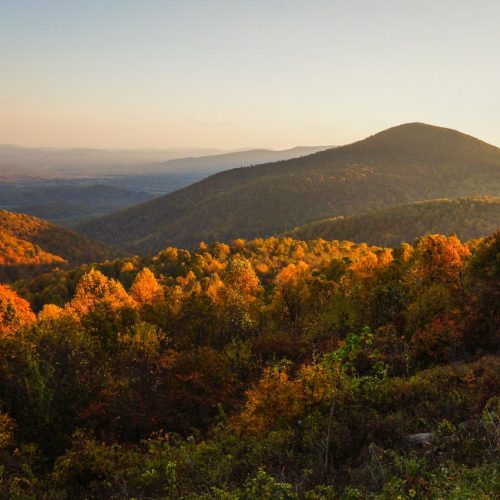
<point x="29" y="245"/>
<point x="403" y="164"/>
<point x="468" y="218"/>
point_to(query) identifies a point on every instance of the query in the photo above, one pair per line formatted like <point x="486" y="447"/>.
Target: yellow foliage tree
<point x="292" y="289"/>
<point x="145" y="288"/>
<point x="365" y="264"/>
<point x="240" y="277"/>
<point x="50" y="312"/>
<point x="237" y="295"/>
<point x="385" y="257"/>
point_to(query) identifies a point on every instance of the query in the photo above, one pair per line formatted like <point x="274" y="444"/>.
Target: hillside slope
<point x="29" y="245"/>
<point x="403" y="164"/>
<point x="468" y="218"/>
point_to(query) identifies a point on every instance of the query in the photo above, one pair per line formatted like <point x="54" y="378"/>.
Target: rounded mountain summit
<point x="403" y="164"/>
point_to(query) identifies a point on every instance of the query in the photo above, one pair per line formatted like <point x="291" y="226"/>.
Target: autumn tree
<point x="15" y="312"/>
<point x="437" y="341"/>
<point x="51" y="312"/>
<point x="95" y="289"/>
<point x="103" y="306"/>
<point x="292" y="289"/>
<point x="438" y="258"/>
<point x="434" y="279"/>
<point x="145" y="288"/>
<point x="483" y="295"/>
<point x="235" y="296"/>
<point x="278" y="398"/>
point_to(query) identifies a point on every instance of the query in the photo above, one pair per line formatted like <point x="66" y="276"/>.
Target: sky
<point x="244" y="73"/>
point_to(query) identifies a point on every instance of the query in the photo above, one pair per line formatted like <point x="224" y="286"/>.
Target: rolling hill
<point x="29" y="246"/>
<point x="403" y="164"/>
<point x="468" y="218"/>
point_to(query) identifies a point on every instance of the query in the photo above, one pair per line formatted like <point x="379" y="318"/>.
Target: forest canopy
<point x="270" y="368"/>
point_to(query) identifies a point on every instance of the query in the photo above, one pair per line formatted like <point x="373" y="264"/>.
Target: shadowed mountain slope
<point x="403" y="164"/>
<point x="468" y="218"/>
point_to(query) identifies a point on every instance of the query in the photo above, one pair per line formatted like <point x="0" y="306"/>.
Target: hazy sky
<point x="237" y="73"/>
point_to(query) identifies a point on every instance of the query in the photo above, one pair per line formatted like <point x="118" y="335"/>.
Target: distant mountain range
<point x="468" y="218"/>
<point x="19" y="164"/>
<point x="29" y="246"/>
<point x="216" y="163"/>
<point x="400" y="165"/>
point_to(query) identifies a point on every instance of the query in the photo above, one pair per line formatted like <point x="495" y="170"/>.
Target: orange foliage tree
<point x="438" y="257"/>
<point x="96" y="289"/>
<point x="277" y="398"/>
<point x="15" y="312"/>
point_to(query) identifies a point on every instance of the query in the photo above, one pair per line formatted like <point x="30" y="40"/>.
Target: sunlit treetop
<point x="15" y="312"/>
<point x="95" y="288"/>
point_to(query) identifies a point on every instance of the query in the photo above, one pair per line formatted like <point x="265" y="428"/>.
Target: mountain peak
<point x="421" y="141"/>
<point x="419" y="131"/>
